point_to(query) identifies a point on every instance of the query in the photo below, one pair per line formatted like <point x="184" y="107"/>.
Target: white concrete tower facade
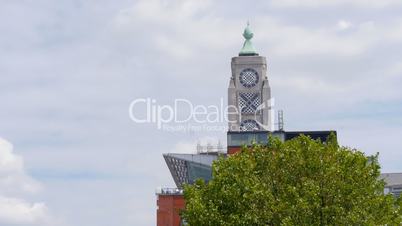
<point x="249" y="93"/>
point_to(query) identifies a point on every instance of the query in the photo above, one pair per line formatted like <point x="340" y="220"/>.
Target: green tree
<point x="297" y="182"/>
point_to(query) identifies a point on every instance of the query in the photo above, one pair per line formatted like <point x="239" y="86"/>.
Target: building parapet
<point x="169" y="191"/>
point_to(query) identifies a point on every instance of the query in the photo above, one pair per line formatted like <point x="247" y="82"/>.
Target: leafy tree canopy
<point x="297" y="182"/>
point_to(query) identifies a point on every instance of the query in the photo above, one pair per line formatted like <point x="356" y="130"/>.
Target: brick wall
<point x="169" y="207"/>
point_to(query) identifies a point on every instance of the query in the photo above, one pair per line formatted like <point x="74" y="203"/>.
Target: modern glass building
<point x="186" y="168"/>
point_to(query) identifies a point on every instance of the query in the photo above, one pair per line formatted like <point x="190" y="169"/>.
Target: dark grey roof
<point x="198" y="158"/>
<point x="240" y="138"/>
<point x="392" y="179"/>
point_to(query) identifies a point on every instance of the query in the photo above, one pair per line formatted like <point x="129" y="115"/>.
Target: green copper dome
<point x="248" y="48"/>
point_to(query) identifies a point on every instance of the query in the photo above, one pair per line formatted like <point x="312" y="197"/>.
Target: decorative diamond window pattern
<point x="248" y="77"/>
<point x="249" y="102"/>
<point x="180" y="170"/>
<point x="249" y="125"/>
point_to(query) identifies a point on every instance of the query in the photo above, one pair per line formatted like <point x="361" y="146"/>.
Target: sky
<point x="71" y="156"/>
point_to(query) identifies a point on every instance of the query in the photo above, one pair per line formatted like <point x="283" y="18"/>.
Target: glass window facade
<point x="187" y="168"/>
<point x="196" y="171"/>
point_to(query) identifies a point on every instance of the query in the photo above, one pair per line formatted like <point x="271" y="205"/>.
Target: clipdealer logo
<point x="267" y="106"/>
<point x="183" y="111"/>
<point x="147" y="110"/>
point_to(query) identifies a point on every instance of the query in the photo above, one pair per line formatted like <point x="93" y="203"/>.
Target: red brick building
<point x="169" y="205"/>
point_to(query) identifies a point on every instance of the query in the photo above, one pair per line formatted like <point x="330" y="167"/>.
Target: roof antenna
<point x="280" y="120"/>
<point x="219" y="146"/>
<point x="199" y="147"/>
<point x="209" y="147"/>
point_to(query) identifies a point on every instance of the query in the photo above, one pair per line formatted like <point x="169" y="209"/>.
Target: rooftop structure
<point x="393" y="183"/>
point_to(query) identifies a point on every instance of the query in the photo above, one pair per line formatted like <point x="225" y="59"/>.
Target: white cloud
<point x="185" y="29"/>
<point x="395" y="70"/>
<point x="332" y="3"/>
<point x="344" y="25"/>
<point x="298" y="40"/>
<point x="172" y="47"/>
<point x="184" y="147"/>
<point x="20" y="212"/>
<point x="13" y="178"/>
<point x="191" y="146"/>
<point x="14" y="181"/>
<point x="179" y="29"/>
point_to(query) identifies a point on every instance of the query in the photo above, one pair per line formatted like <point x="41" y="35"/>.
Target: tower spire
<point x="248" y="48"/>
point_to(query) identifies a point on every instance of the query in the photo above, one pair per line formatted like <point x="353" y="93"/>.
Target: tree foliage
<point x="297" y="182"/>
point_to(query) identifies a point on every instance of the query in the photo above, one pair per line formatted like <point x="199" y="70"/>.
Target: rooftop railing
<point x="169" y="191"/>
